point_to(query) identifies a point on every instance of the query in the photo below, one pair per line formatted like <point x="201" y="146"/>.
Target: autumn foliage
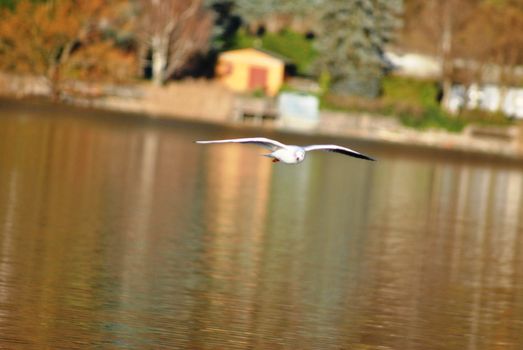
<point x="62" y="39"/>
<point x="119" y="40"/>
<point x="477" y="34"/>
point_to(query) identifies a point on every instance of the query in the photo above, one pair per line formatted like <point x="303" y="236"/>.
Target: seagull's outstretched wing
<point x="260" y="141"/>
<point x="337" y="149"/>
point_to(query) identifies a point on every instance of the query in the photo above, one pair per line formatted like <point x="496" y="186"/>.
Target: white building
<point x="414" y="64"/>
<point x="489" y="97"/>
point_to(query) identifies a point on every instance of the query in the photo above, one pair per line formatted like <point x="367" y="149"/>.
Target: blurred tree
<point x="273" y="15"/>
<point x="171" y="32"/>
<point x="433" y="26"/>
<point x="50" y="38"/>
<point x="226" y="24"/>
<point x="256" y="10"/>
<point x="7" y="4"/>
<point x="351" y="39"/>
<point x="388" y="19"/>
<point x="467" y="35"/>
<point x="492" y="44"/>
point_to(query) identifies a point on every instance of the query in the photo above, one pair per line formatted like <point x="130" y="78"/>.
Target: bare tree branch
<point x="173" y="31"/>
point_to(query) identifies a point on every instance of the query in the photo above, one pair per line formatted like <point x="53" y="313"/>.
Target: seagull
<point x="290" y="154"/>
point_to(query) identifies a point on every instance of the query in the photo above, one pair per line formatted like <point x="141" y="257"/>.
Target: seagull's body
<point x="290" y="154"/>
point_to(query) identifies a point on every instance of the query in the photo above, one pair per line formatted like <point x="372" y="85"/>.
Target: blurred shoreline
<point x="208" y="102"/>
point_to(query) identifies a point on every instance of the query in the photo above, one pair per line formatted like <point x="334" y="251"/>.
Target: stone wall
<point x="21" y="86"/>
<point x="194" y="99"/>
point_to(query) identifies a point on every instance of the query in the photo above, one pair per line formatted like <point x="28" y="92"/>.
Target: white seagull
<point x="290" y="154"/>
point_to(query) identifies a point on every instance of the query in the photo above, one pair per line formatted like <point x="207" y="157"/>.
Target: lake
<point x="122" y="233"/>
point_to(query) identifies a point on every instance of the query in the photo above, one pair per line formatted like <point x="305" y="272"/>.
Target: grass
<point x="399" y="89"/>
<point x="415" y="102"/>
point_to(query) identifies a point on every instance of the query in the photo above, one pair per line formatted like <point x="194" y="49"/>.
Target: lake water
<point x="121" y="233"/>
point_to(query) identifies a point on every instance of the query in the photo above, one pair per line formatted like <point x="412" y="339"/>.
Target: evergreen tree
<point x="255" y="10"/>
<point x="388" y="18"/>
<point x="351" y="43"/>
<point x="226" y="24"/>
<point x="10" y="4"/>
<point x="260" y="11"/>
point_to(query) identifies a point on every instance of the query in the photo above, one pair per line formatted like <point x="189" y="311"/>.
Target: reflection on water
<point x="125" y="234"/>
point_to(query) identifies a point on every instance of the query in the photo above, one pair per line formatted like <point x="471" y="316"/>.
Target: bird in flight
<point x="290" y="154"/>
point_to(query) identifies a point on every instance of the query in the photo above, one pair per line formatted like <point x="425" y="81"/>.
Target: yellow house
<point x="250" y="70"/>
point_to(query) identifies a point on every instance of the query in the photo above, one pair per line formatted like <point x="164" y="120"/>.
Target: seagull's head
<point x="299" y="154"/>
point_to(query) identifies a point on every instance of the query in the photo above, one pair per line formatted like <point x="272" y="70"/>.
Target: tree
<point x="352" y="37"/>
<point x="498" y="26"/>
<point x="7" y="4"/>
<point x="388" y="19"/>
<point x="274" y="14"/>
<point x="469" y="37"/>
<point x="256" y="10"/>
<point x="172" y="31"/>
<point x="48" y="38"/>
<point x="435" y="27"/>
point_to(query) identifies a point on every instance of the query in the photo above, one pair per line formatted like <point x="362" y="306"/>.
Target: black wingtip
<point x="362" y="156"/>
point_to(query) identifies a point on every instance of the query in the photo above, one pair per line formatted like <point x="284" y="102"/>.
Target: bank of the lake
<point x="209" y="102"/>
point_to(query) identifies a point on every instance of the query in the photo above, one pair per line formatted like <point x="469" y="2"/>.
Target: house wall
<point x="234" y="66"/>
<point x="487" y="97"/>
<point x="414" y="65"/>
